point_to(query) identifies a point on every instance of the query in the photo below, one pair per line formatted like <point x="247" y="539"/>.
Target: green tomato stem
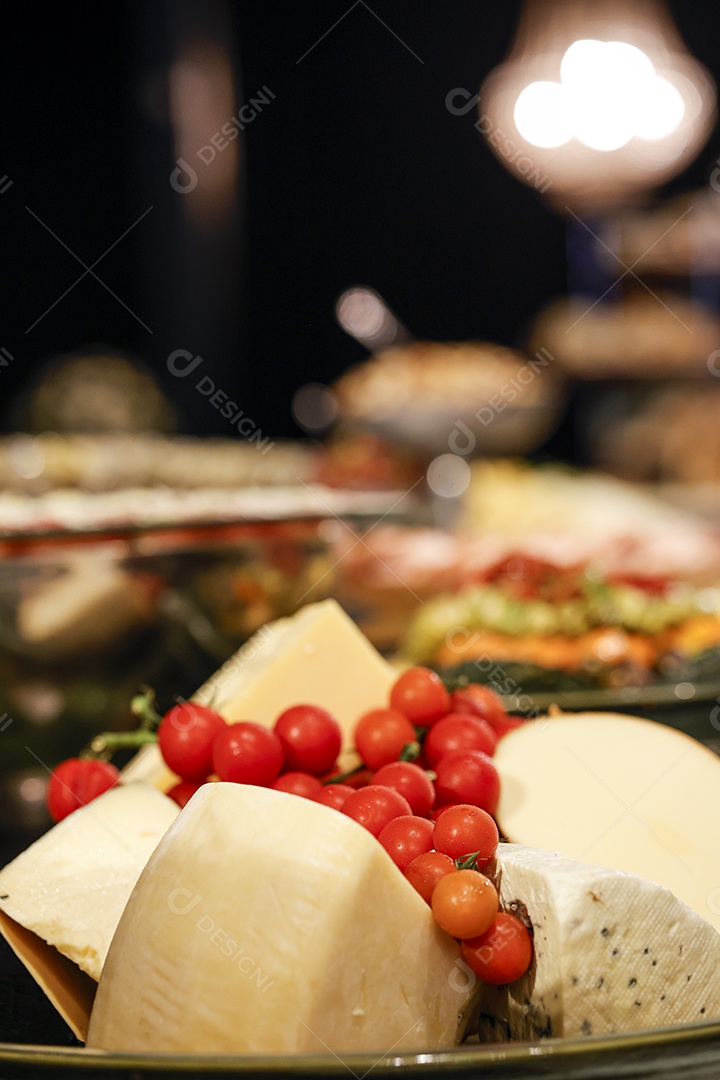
<point x="143" y="706"/>
<point x="341" y="777"/>
<point x="410" y="751"/>
<point x="467" y="862"/>
<point x="103" y="745"/>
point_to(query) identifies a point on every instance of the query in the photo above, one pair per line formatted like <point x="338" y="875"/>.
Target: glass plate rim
<point x="678" y="1037"/>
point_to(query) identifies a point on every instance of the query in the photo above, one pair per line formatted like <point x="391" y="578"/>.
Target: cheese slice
<point x="266" y="923"/>
<point x="70" y="887"/>
<point x="612" y="953"/>
<point x="317" y="656"/>
<point x="92" y="604"/>
<point x="618" y="791"/>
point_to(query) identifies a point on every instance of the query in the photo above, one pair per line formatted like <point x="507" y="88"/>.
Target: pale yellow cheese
<point x="70" y="886"/>
<point x="317" y="656"/>
<point x="620" y="792"/>
<point x="266" y="923"/>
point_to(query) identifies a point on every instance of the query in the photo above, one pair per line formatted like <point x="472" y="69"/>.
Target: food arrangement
<point x="354" y="816"/>
<point x="438" y="396"/>
<point x="607" y="629"/>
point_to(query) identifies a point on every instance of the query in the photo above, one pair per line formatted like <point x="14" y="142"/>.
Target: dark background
<point x="356" y="172"/>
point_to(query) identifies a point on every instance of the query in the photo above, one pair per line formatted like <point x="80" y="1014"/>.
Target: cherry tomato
<point x="425" y="871"/>
<point x="374" y="806"/>
<point x="463" y="830"/>
<point x="310" y="737"/>
<point x="480" y="701"/>
<point x="334" y="795"/>
<point x="458" y="731"/>
<point x="508" y="724"/>
<point x="185" y="737"/>
<point x="420" y="695"/>
<point x="183" y="791"/>
<point x="468" y="776"/>
<point x="298" y="783"/>
<point x="465" y="903"/>
<point x="380" y="736"/>
<point x="76" y="782"/>
<point x="404" y="838"/>
<point x="503" y="953"/>
<point x="411" y="781"/>
<point x="247" y="753"/>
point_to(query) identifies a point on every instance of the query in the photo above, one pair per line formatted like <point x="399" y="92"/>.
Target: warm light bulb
<point x="541" y="115"/>
<point x="608" y="93"/>
<point x="661" y="111"/>
<point x="604" y="82"/>
<point x="596" y="102"/>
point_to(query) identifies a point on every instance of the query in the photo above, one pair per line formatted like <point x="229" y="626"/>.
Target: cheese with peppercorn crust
<point x="613" y="952"/>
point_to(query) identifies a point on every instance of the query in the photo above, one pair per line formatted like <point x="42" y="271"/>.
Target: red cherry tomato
<point x="334" y="795"/>
<point x="468" y="776"/>
<point x="420" y="695"/>
<point x="298" y="783"/>
<point x="481" y="701"/>
<point x="465" y="903"/>
<point x="381" y="735"/>
<point x="183" y="791"/>
<point x="503" y="953"/>
<point x="463" y="830"/>
<point x="310" y="737"/>
<point x="458" y="731"/>
<point x="76" y="782"/>
<point x="404" y="838"/>
<point x="247" y="753"/>
<point x="508" y="724"/>
<point x="425" y="871"/>
<point x="374" y="806"/>
<point x="411" y="781"/>
<point x="185" y="737"/>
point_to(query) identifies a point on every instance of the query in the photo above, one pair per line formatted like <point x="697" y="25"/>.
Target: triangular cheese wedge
<point x="62" y="898"/>
<point x="317" y="656"/>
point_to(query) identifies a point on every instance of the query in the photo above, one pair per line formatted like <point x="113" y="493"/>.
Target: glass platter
<point x="693" y="708"/>
<point x="691" y="1052"/>
<point x="689" y="702"/>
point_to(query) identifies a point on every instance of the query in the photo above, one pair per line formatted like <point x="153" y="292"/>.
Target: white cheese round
<point x="621" y="792"/>
<point x="266" y="923"/>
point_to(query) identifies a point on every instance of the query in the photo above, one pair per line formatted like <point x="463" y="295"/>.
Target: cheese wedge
<point x="317" y="656"/>
<point x="612" y="953"/>
<point x="70" y="886"/>
<point x="620" y="792"/>
<point x="266" y="923"/>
